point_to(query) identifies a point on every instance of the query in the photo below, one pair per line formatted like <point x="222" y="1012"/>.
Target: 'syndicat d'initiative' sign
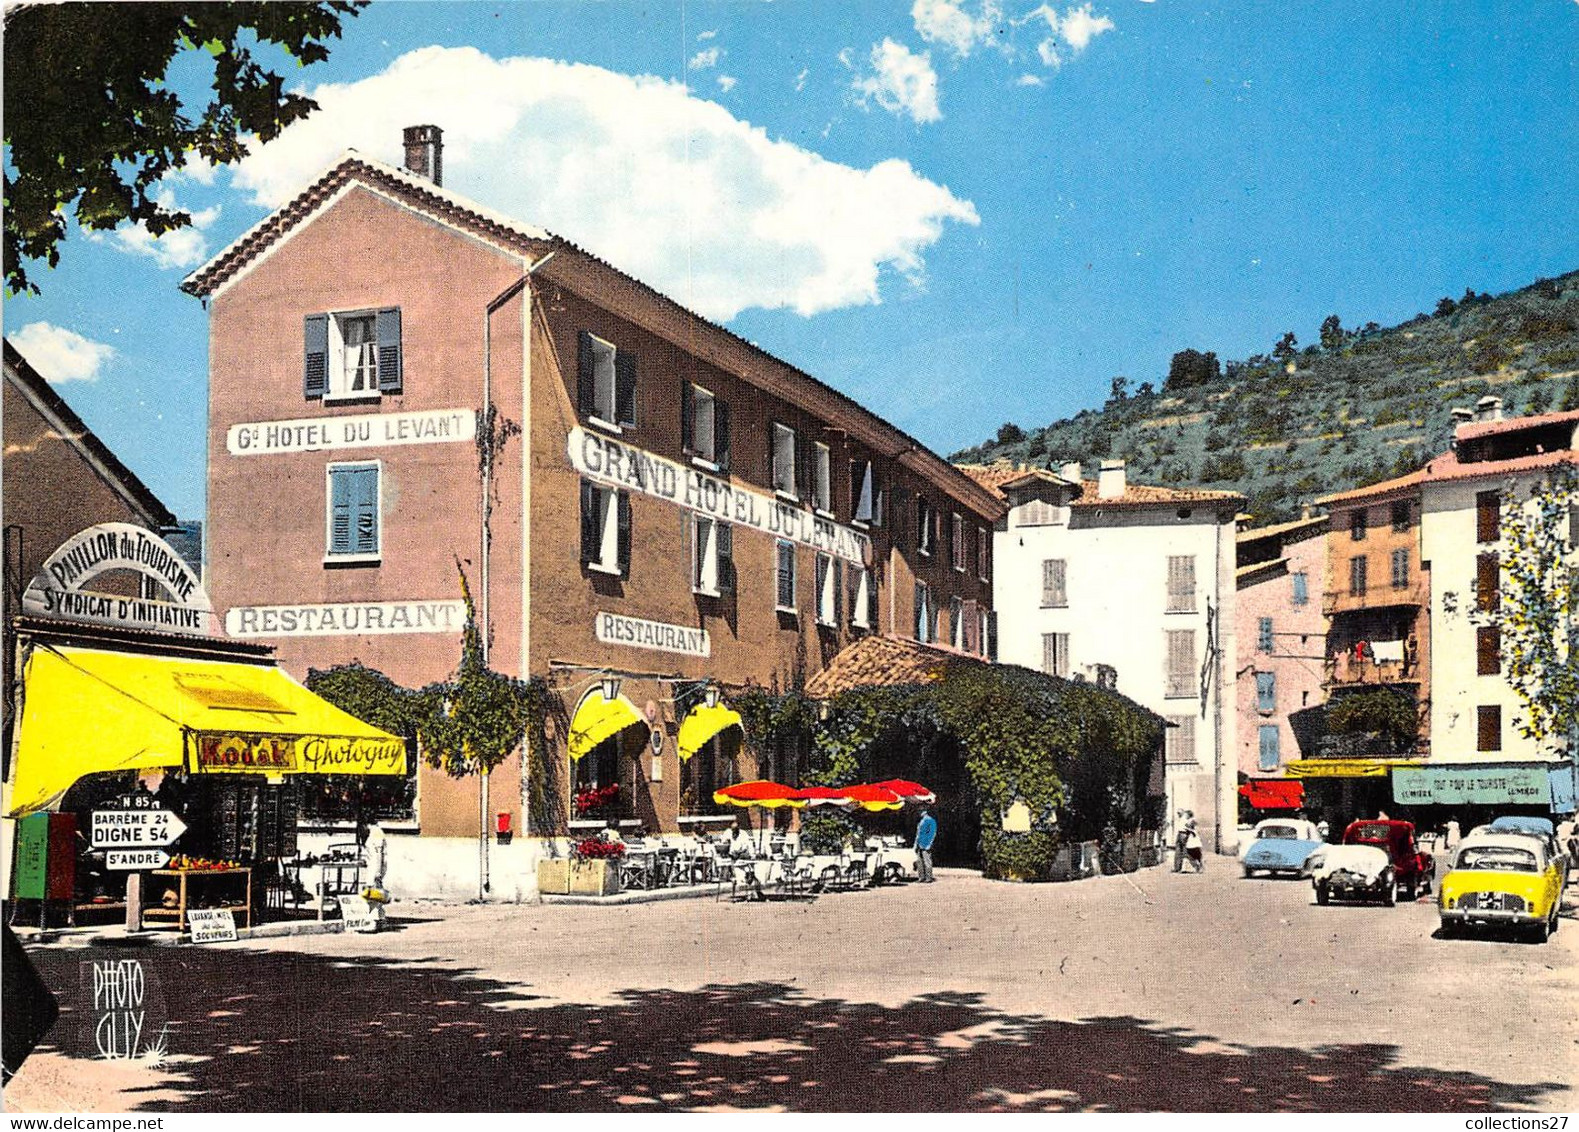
<point x="59" y="590"/>
<point x="367" y="430"/>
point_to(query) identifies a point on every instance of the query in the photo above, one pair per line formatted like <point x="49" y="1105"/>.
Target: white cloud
<point x="1080" y="26"/>
<point x="706" y="35"/>
<point x="1047" y="50"/>
<point x="61" y="355"/>
<point x="728" y="218"/>
<point x="902" y="82"/>
<point x="947" y="22"/>
<point x="800" y="79"/>
<point x="705" y="59"/>
<point x="726" y="83"/>
<point x="1030" y="80"/>
<point x="179" y="247"/>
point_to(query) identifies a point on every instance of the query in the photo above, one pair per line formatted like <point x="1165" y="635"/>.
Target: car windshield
<point x="1498" y="859"/>
<point x="1374" y="832"/>
<point x="1281" y="832"/>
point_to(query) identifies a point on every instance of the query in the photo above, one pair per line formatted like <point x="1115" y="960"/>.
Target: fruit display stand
<point x="210" y="886"/>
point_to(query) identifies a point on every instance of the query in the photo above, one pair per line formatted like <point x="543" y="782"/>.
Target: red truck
<point x="1412" y="869"/>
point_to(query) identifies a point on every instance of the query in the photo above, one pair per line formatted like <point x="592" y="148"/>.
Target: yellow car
<point x="1500" y="878"/>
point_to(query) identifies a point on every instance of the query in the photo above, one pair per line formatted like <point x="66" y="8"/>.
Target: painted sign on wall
<point x="1449" y="786"/>
<point x="59" y="589"/>
<point x="367" y="430"/>
<point x="353" y="618"/>
<point x="617" y="629"/>
<point x="607" y="461"/>
<point x="286" y="754"/>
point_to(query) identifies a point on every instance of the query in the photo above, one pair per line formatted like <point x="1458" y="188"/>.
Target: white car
<point x="1353" y="872"/>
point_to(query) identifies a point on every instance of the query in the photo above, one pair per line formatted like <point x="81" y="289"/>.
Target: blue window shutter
<point x="390" y="361"/>
<point x="591" y="528"/>
<point x="1271" y="754"/>
<point x="687" y="415"/>
<point x="726" y="558"/>
<point x="315" y="365"/>
<point x="365" y="504"/>
<point x="625" y="388"/>
<point x="1264" y="644"/>
<point x="721" y="433"/>
<point x="586" y="389"/>
<point x="340" y="510"/>
<point x="1301" y="590"/>
<point x="1266" y="691"/>
<point x="623" y="518"/>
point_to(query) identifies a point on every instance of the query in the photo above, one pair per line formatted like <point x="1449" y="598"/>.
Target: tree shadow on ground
<point x="286" y="1032"/>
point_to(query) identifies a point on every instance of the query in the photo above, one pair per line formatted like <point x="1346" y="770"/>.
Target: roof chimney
<point x="1488" y="408"/>
<point x="425" y="152"/>
<point x="1070" y="472"/>
<point x="1110" y="480"/>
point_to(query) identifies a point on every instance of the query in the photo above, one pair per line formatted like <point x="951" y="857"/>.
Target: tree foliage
<point x="1190" y="367"/>
<point x="92" y="129"/>
<point x="1377" y="711"/>
<point x="1538" y="608"/>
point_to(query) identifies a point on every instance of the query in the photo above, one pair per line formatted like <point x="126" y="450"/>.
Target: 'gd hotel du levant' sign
<point x="607" y="461"/>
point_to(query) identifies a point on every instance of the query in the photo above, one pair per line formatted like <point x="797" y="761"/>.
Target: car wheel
<point x="1249" y="872"/>
<point x="1389" y="891"/>
<point x="1321" y="894"/>
<point x="1409" y="890"/>
<point x="1540" y="932"/>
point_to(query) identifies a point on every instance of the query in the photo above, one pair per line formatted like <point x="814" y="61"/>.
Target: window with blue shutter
<point x="1271" y="755"/>
<point x="353" y="510"/>
<point x="1266" y="691"/>
<point x="315" y="365"/>
<point x="352" y="355"/>
<point x="1264" y="635"/>
<point x="389" y="358"/>
<point x="1301" y="588"/>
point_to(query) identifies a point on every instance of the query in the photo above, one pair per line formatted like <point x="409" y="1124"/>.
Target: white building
<point x="1110" y="580"/>
<point x="1475" y="712"/>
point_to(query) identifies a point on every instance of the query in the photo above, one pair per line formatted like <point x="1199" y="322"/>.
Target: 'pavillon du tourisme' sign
<point x="607" y="461"/>
<point x="60" y="588"/>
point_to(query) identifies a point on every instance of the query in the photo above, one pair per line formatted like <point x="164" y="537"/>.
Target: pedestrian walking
<point x="926" y="834"/>
<point x="1192" y="847"/>
<point x="1451" y="835"/>
<point x="1186" y="819"/>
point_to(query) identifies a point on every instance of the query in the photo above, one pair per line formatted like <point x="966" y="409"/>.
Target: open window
<point x="830" y="587"/>
<point x="605" y="529"/>
<point x="704" y="427"/>
<point x="605" y="383"/>
<point x="352" y="355"/>
<point x="712" y="557"/>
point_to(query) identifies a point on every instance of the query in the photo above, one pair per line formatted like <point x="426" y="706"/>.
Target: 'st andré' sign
<point x="605" y="460"/>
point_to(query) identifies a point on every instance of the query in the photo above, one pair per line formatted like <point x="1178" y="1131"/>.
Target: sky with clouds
<point x="960" y="212"/>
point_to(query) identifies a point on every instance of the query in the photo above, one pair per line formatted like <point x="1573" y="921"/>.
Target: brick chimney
<point x="425" y="152"/>
<point x="1488" y="408"/>
<point x="1110" y="480"/>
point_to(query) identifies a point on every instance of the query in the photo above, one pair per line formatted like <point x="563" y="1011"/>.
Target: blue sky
<point x="958" y="213"/>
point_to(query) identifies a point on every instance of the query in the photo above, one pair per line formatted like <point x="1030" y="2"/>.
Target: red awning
<point x="1274" y="793"/>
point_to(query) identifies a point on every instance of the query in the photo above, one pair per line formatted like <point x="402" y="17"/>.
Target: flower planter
<point x="595" y="878"/>
<point x="553" y="877"/>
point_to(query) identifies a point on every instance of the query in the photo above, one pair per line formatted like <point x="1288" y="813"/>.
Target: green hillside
<point x="1299" y="422"/>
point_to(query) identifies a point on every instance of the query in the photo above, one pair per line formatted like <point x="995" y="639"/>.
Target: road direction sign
<point x="136" y="859"/>
<point x="135" y="829"/>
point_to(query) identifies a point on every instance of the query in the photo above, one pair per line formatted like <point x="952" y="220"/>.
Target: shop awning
<point x="89" y="711"/>
<point x="597" y="719"/>
<point x="702" y="724"/>
<point x="1274" y="793"/>
<point x="1345" y="768"/>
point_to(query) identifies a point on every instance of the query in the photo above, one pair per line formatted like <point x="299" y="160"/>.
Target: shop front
<point x="1345" y="789"/>
<point x="155" y="770"/>
<point x="1475" y="793"/>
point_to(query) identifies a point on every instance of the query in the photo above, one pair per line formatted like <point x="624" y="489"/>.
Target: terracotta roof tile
<point x="1400" y="485"/>
<point x="1476" y="429"/>
<point x="994" y="476"/>
<point x="1447" y="466"/>
<point x="884" y="662"/>
<point x="1254" y="534"/>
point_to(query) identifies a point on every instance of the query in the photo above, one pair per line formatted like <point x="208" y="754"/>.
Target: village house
<point x="652" y="514"/>
<point x="1130" y="586"/>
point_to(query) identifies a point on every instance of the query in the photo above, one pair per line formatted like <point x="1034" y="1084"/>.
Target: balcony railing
<point x="1346" y="670"/>
<point x="1377" y="596"/>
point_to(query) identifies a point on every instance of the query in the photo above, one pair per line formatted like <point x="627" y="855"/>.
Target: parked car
<point x="1501" y="878"/>
<point x="1280" y="845"/>
<point x="1353" y="872"/>
<point x="1541" y="829"/>
<point x="1413" y="869"/>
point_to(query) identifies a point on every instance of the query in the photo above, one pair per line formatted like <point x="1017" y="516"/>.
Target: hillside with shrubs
<point x="1300" y="421"/>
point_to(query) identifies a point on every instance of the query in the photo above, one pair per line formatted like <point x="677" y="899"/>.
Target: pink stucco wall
<point x="1296" y="655"/>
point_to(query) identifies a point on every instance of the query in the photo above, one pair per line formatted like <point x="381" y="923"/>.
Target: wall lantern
<point x="710" y="696"/>
<point x="610" y="688"/>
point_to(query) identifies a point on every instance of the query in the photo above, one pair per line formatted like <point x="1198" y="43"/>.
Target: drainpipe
<point x="523" y="284"/>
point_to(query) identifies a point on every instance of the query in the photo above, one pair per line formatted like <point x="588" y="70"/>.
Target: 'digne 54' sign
<point x="607" y="461"/>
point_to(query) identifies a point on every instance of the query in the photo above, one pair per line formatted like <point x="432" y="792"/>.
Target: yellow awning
<point x="597" y="719"/>
<point x="702" y="724"/>
<point x="89" y="711"/>
<point x="1345" y="768"/>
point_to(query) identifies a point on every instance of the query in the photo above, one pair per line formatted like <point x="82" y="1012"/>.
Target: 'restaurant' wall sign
<point x="607" y="461"/>
<point x="346" y="619"/>
<point x="617" y="629"/>
<point x="60" y="590"/>
<point x="367" y="430"/>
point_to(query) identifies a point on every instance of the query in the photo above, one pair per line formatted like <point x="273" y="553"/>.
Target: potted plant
<point x="595" y="866"/>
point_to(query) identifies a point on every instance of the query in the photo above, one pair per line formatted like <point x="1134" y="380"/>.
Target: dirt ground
<point x="1146" y="992"/>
